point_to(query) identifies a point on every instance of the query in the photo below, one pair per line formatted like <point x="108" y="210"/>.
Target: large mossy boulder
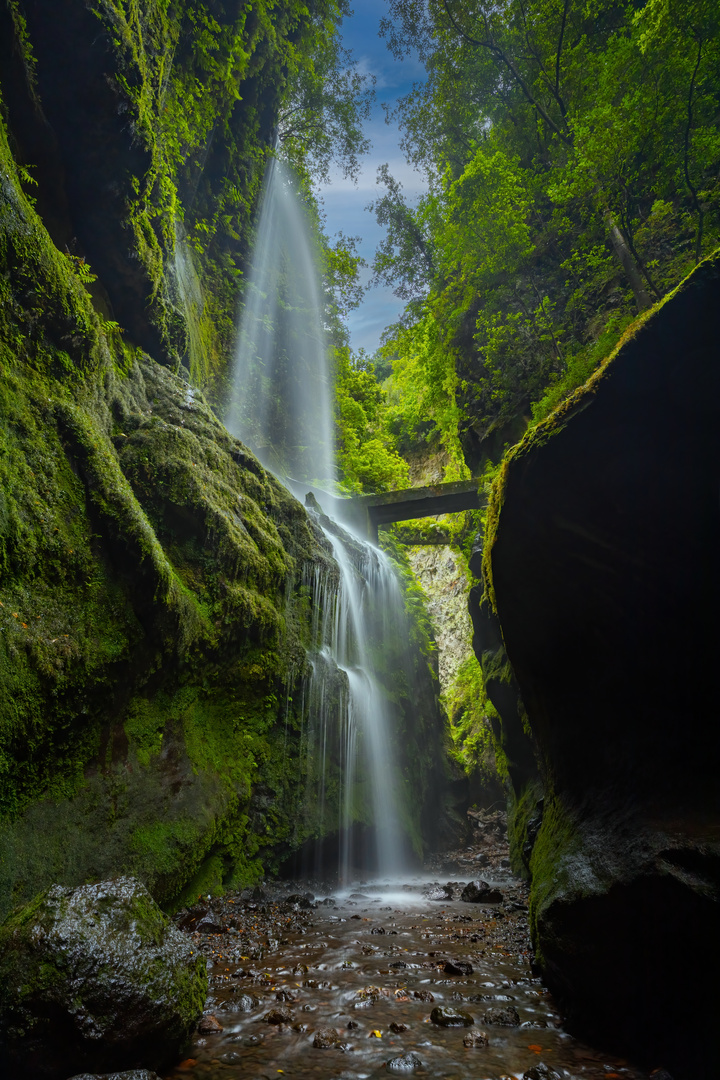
<point x="96" y="978"/>
<point x="603" y="567"/>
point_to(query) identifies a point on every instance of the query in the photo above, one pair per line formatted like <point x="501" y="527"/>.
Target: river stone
<point x="210" y="1025"/>
<point x="132" y="1074"/>
<point x="475" y="1038"/>
<point x="95" y="978"/>
<point x="446" y="1016"/>
<point x="328" y="1039"/>
<point x="479" y="892"/>
<point x="541" y="1071"/>
<point x="458" y="967"/>
<point x="279" y="1016"/>
<point x="502" y="1017"/>
<point x="404" y="1063"/>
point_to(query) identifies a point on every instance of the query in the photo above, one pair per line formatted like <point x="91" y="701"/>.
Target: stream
<point x="339" y="985"/>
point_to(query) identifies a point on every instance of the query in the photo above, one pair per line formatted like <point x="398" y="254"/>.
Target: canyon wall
<point x="597" y="625"/>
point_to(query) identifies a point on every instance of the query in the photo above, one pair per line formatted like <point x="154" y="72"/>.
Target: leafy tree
<point x="572" y="152"/>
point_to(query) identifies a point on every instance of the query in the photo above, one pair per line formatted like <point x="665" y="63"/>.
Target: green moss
<point x="149" y="635"/>
<point x="523" y="808"/>
<point x="558" y="841"/>
<point x="207" y="881"/>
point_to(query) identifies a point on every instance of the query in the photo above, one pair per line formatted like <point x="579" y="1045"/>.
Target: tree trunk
<point x="621" y="249"/>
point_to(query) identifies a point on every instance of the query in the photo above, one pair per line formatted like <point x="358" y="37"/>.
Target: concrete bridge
<point x="365" y="513"/>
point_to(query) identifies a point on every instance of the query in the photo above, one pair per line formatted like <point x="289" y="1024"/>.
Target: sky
<point x="344" y="201"/>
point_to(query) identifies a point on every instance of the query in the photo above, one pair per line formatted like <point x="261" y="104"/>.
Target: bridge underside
<point x="365" y="513"/>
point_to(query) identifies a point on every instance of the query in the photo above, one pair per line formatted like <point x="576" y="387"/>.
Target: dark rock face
<point x="605" y="572"/>
<point x="95" y="978"/>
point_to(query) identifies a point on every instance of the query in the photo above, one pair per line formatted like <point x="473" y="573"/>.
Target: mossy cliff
<point x="601" y="568"/>
<point x="151" y="606"/>
<point x="145" y="126"/>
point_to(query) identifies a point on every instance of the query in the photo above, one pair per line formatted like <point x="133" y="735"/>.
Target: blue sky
<point x="344" y="202"/>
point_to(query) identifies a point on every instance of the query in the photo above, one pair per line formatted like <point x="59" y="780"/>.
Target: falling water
<point x="280" y="406"/>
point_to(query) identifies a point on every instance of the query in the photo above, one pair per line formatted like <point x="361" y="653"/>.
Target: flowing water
<point x="346" y="987"/>
<point x="281" y="406"/>
<point x="281" y="399"/>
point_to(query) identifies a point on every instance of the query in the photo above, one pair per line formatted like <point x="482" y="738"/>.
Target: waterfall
<point x="281" y="406"/>
<point x="281" y="400"/>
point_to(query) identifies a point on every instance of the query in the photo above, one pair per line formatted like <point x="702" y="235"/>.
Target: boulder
<point x="479" y="892"/>
<point x="602" y="572"/>
<point x="95" y="978"/>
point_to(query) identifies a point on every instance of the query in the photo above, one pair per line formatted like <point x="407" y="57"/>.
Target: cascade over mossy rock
<point x="603" y="566"/>
<point x="155" y="613"/>
<point x="95" y="978"/>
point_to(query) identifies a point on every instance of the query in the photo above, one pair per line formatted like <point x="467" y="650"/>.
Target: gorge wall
<point x="598" y="630"/>
<point x="155" y="619"/>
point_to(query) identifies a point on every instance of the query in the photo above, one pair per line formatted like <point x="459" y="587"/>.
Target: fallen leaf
<point x="535" y="1047"/>
<point x="376" y="1034"/>
<point x="189" y="1063"/>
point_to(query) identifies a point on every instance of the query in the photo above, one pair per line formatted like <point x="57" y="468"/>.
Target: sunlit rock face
<point x="606" y="577"/>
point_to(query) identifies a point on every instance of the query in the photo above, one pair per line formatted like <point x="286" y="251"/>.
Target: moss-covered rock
<point x="157" y="606"/>
<point x="152" y="614"/>
<point x="601" y="566"/>
<point x="95" y="978"/>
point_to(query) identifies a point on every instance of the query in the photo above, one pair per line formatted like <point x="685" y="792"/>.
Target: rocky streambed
<point x="380" y="977"/>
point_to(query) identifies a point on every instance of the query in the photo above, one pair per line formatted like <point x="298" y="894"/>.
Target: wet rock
<point x="457" y="967"/>
<point x="210" y="925"/>
<point x="328" y="1039"/>
<point x="303" y="900"/>
<point x="397" y="1029"/>
<point x="541" y="1072"/>
<point x="352" y="1024"/>
<point x="440" y="892"/>
<point x="378" y="930"/>
<point x="246" y="1003"/>
<point x="399" y="964"/>
<point x="285" y="995"/>
<point x="301" y="1028"/>
<point x="445" y="1016"/>
<point x="327" y="902"/>
<point x="423" y="995"/>
<point x="131" y="1074"/>
<point x="95" y="978"/>
<point x="278" y="1016"/>
<point x="405" y="1063"/>
<point x="479" y="892"/>
<point x="210" y="1025"/>
<point x="476" y="1038"/>
<point x="507" y="1017"/>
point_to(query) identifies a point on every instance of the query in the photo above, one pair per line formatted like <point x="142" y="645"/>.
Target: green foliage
<point x="368" y="453"/>
<point x="573" y="163"/>
<point x="149" y="634"/>
<point x="469" y="711"/>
